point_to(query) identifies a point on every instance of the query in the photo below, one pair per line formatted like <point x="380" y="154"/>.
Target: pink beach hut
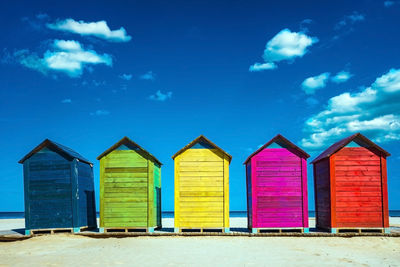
<point x="276" y="176"/>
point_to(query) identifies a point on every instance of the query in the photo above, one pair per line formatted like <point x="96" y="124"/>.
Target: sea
<point x="170" y="214"/>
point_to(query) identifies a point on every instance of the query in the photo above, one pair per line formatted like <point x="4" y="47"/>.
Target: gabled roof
<point x="342" y="143"/>
<point x="63" y="150"/>
<point x="198" y="139"/>
<point x="129" y="143"/>
<point x="279" y="138"/>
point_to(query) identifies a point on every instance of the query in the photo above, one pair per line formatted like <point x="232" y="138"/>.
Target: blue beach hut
<point x="59" y="190"/>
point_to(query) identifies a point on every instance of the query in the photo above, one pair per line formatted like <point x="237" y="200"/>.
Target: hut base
<point x="202" y="230"/>
<point x="359" y="230"/>
<point x="280" y="230"/>
<point x="127" y="230"/>
<point x="56" y="230"/>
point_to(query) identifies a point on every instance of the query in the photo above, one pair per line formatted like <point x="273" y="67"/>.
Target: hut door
<point x="278" y="189"/>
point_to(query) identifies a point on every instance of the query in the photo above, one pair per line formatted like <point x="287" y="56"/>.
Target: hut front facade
<point x="130" y="188"/>
<point x="201" y="186"/>
<point x="276" y="178"/>
<point x="59" y="190"/>
<point x="350" y="180"/>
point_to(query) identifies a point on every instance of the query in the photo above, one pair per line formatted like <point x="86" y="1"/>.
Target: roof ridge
<point x="276" y="137"/>
<point x="345" y="141"/>
<point x="120" y="142"/>
<point x="62" y="148"/>
<point x="194" y="141"/>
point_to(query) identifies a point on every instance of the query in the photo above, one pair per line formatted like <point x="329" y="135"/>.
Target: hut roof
<point x="129" y="143"/>
<point x="279" y="138"/>
<point x="66" y="151"/>
<point x="345" y="141"/>
<point x="198" y="139"/>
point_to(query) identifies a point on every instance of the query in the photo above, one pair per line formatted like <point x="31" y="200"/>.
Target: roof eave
<point x="278" y="136"/>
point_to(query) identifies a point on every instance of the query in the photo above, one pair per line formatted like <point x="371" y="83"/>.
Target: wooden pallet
<point x="201" y="230"/>
<point x="56" y="230"/>
<point x="358" y="230"/>
<point x="127" y="230"/>
<point x="279" y="230"/>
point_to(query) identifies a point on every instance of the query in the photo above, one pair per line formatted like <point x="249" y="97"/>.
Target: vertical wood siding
<point x="157" y="194"/>
<point x="87" y="205"/>
<point x="322" y="193"/>
<point x="201" y="193"/>
<point x="48" y="180"/>
<point x="278" y="197"/>
<point x="124" y="189"/>
<point x="358" y="188"/>
<point x="249" y="195"/>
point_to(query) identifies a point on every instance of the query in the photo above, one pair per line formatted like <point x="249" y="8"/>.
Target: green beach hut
<point x="130" y="188"/>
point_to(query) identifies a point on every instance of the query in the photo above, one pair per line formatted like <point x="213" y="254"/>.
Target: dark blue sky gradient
<point x="201" y="52"/>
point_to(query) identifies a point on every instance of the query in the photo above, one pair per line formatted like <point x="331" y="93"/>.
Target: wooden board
<point x="358" y="195"/>
<point x="201" y="189"/>
<point x="277" y="189"/>
<point x="127" y="190"/>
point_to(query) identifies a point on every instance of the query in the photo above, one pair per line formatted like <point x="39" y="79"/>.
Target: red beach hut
<point x="276" y="176"/>
<point x="350" y="180"/>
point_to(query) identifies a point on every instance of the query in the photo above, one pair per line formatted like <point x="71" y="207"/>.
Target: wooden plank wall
<point x="359" y="196"/>
<point x="322" y="193"/>
<point x="87" y="205"/>
<point x="277" y="189"/>
<point x="123" y="190"/>
<point x="249" y="195"/>
<point x="157" y="194"/>
<point x="200" y="186"/>
<point x="49" y="191"/>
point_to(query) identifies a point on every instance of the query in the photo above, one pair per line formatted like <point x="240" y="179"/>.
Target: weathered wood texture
<point x="249" y="196"/>
<point x="351" y="187"/>
<point x="278" y="194"/>
<point x="322" y="194"/>
<point x="53" y="197"/>
<point x="358" y="179"/>
<point x="201" y="188"/>
<point x="130" y="185"/>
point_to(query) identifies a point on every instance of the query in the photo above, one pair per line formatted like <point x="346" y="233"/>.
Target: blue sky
<point x="87" y="73"/>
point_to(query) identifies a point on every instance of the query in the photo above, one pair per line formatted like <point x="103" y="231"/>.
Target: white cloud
<point x="69" y="45"/>
<point x="99" y="29"/>
<point x="349" y="20"/>
<point x="262" y="66"/>
<point x="389" y="82"/>
<point x="311" y="84"/>
<point x="100" y="112"/>
<point x="374" y="110"/>
<point x="126" y="77"/>
<point x="66" y="101"/>
<point x="65" y="56"/>
<point x="159" y="96"/>
<point x="148" y="76"/>
<point x="285" y="45"/>
<point x="341" y="77"/>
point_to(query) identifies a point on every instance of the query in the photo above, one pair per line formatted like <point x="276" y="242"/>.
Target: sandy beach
<point x="67" y="249"/>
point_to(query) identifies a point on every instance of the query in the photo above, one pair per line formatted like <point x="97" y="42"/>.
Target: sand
<point x="67" y="250"/>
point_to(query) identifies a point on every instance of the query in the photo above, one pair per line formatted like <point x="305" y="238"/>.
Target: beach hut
<point x="201" y="186"/>
<point x="276" y="178"/>
<point x="130" y="188"/>
<point x="59" y="190"/>
<point x="350" y="182"/>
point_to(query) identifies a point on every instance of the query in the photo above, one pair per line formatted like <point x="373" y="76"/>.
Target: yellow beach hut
<point x="201" y="186"/>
